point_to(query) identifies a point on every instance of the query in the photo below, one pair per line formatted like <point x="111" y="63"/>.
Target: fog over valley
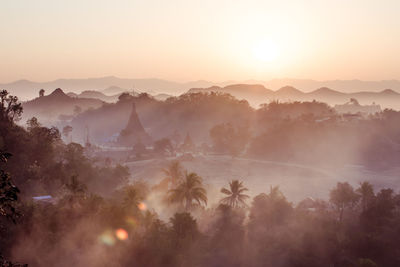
<point x="161" y="162"/>
<point x="200" y="133"/>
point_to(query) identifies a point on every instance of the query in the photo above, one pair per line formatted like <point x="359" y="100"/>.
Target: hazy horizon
<point x="247" y="133"/>
<point x="187" y="40"/>
<point x="227" y="81"/>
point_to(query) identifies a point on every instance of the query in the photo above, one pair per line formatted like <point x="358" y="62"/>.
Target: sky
<point x="214" y="40"/>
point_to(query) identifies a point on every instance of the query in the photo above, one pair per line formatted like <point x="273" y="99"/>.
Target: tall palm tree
<point x="235" y="196"/>
<point x="174" y="173"/>
<point x="189" y="190"/>
<point x="131" y="198"/>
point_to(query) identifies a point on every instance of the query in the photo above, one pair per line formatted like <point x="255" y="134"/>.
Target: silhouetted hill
<point x="162" y="97"/>
<point x="113" y="90"/>
<point x="112" y="98"/>
<point x="258" y="94"/>
<point x="325" y="91"/>
<point x="111" y="85"/>
<point x="96" y="95"/>
<point x="254" y="93"/>
<point x="389" y="92"/>
<point x="70" y="94"/>
<point x="288" y="93"/>
<point x="48" y="108"/>
<point x="348" y="86"/>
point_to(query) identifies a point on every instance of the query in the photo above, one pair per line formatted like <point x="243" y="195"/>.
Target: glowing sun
<point x="266" y="51"/>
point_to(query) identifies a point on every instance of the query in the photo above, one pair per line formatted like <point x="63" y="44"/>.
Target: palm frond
<point x="225" y="191"/>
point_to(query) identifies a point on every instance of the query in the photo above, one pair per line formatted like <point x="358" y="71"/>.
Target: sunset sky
<point x="190" y="40"/>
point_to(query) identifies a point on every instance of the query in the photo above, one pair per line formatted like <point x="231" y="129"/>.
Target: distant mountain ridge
<point x="26" y="89"/>
<point x="257" y="94"/>
<point x="96" y="95"/>
<point x="111" y="85"/>
<point x="111" y="98"/>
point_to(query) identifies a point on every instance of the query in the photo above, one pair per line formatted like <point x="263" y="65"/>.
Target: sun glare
<point x="266" y="51"/>
<point x="121" y="234"/>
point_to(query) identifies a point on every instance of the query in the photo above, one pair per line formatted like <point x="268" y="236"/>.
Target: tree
<point x="342" y="197"/>
<point x="41" y="92"/>
<point x="173" y="173"/>
<point x="6" y="263"/>
<point x="163" y="145"/>
<point x="236" y="197"/>
<point x="32" y="124"/>
<point x="124" y="97"/>
<point x="8" y="198"/>
<point x="189" y="190"/>
<point x="270" y="216"/>
<point x="367" y="195"/>
<point x="76" y="190"/>
<point x="132" y="198"/>
<point x="184" y="228"/>
<point x="269" y="210"/>
<point x="10" y="109"/>
<point x="8" y="191"/>
<point x="228" y="233"/>
<point x="228" y="139"/>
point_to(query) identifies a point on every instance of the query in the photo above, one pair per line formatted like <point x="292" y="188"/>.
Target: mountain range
<point x="112" y="85"/>
<point x="257" y="94"/>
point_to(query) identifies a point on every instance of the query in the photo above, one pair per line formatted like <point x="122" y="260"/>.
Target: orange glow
<point x="142" y="206"/>
<point x="121" y="234"/>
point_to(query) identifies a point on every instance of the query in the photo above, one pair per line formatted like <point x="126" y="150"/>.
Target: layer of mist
<point x="201" y="179"/>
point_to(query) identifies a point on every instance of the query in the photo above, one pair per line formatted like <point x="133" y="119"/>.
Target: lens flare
<point x="121" y="234"/>
<point x="142" y="206"/>
<point x="107" y="238"/>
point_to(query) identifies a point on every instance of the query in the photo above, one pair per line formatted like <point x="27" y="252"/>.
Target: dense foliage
<point x="94" y="218"/>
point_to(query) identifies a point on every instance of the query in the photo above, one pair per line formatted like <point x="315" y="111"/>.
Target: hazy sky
<point x="207" y="39"/>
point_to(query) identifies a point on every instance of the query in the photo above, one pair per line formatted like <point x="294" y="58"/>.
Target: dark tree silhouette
<point x="10" y="108"/>
<point x="366" y="192"/>
<point x="342" y="197"/>
<point x="184" y="228"/>
<point x="8" y="191"/>
<point x="235" y="194"/>
<point x="189" y="190"/>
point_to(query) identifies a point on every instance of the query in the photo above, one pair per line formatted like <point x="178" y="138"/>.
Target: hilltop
<point x="48" y="108"/>
<point x="258" y="94"/>
<point x="111" y="85"/>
